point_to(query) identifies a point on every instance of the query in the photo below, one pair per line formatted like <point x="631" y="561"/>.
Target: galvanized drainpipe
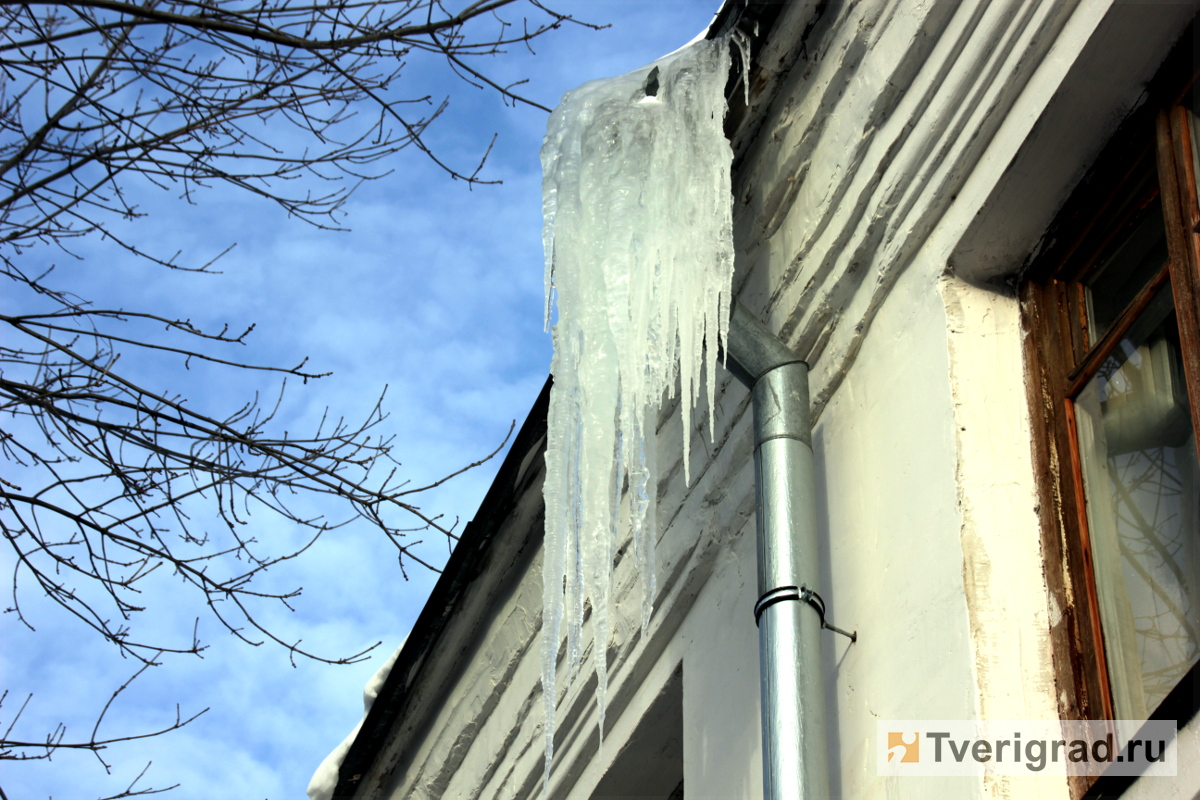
<point x="789" y="613"/>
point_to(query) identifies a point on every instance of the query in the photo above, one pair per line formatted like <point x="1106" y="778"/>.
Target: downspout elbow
<point x="753" y="349"/>
<point x="775" y="375"/>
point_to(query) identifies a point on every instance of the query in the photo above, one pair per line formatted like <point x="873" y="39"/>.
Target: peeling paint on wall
<point x="1008" y="602"/>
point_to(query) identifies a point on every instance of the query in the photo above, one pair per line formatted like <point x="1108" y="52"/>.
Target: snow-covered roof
<point x="495" y="547"/>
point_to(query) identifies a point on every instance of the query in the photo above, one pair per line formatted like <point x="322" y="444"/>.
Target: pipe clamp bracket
<point x="801" y="594"/>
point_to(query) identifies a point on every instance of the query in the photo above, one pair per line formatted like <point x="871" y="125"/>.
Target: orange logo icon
<point x="903" y="747"/>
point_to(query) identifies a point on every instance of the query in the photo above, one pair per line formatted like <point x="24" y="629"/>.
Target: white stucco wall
<point x="722" y="751"/>
<point x="1185" y="785"/>
<point x="886" y="449"/>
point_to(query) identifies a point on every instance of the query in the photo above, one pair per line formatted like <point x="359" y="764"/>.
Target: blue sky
<point x="437" y="294"/>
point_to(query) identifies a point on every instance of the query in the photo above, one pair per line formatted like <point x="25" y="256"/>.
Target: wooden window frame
<point x="1148" y="158"/>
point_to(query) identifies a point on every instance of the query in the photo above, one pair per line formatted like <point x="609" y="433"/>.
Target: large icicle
<point x="639" y="253"/>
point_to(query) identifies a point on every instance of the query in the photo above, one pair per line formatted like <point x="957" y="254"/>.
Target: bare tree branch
<point x="110" y="481"/>
<point x="13" y="749"/>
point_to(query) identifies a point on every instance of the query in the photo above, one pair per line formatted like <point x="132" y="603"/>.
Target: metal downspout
<point x="795" y="755"/>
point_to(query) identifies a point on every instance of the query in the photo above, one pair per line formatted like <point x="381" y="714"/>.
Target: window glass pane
<point x="1123" y="274"/>
<point x="1194" y="130"/>
<point x="1140" y="472"/>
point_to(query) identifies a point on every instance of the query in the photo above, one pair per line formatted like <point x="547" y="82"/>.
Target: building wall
<point x="1186" y="786"/>
<point x="872" y="218"/>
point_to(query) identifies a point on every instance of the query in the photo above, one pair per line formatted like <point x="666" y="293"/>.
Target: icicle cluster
<point x="639" y="254"/>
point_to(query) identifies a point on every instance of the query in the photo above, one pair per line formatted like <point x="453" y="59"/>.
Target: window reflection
<point x="1122" y="275"/>
<point x="1140" y="474"/>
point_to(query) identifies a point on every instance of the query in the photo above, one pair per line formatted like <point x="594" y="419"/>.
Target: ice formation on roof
<point x="324" y="780"/>
<point x="639" y="257"/>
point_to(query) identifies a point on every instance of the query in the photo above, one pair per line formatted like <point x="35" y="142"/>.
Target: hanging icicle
<point x="639" y="256"/>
